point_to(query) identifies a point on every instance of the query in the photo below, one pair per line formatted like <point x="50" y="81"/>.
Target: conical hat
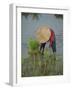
<point x="43" y="34"/>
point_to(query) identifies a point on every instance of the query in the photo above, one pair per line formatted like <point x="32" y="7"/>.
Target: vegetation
<point x="59" y="16"/>
<point x="37" y="15"/>
<point x="40" y="65"/>
<point x="33" y="44"/>
<point x="34" y="15"/>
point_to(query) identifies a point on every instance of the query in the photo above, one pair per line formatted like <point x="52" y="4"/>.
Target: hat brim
<point x="43" y="34"/>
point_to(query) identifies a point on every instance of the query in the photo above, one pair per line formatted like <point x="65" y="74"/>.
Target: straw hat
<point x="43" y="34"/>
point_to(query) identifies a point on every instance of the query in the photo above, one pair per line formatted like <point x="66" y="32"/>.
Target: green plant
<point x="39" y="67"/>
<point x="33" y="49"/>
<point x="33" y="44"/>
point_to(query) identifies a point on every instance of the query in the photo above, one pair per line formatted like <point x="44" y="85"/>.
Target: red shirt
<point x="51" y="37"/>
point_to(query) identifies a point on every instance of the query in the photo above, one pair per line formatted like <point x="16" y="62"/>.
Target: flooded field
<point x="37" y="64"/>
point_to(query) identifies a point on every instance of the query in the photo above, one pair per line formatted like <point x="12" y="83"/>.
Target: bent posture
<point x="52" y="41"/>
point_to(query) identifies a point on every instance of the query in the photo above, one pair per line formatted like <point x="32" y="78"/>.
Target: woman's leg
<point x="42" y="47"/>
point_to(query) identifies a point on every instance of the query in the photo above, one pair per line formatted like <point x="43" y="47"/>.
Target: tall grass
<point x="40" y="65"/>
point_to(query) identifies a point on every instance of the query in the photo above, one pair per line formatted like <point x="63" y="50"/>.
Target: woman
<point x="52" y="41"/>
